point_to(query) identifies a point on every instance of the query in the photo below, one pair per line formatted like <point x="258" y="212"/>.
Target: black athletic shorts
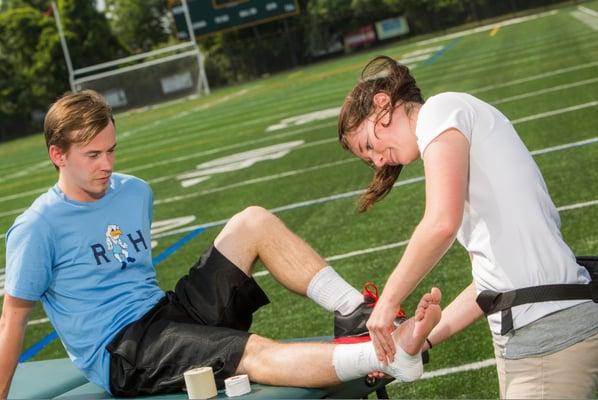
<point x="203" y="323"/>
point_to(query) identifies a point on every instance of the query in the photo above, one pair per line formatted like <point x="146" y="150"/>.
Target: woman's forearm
<point x="458" y="315"/>
<point x="427" y="245"/>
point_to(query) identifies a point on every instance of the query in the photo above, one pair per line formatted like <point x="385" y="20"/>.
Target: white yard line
<point x="26" y="171"/>
<point x="535" y="77"/>
<point x="474" y="366"/>
<point x="544" y="91"/>
<point x="564" y="146"/>
<point x="555" y="112"/>
<point x="488" y="27"/>
<point x="22" y="194"/>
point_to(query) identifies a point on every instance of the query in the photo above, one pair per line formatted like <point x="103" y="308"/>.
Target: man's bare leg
<point x="288" y="364"/>
<point x="257" y="233"/>
<point x="312" y="364"/>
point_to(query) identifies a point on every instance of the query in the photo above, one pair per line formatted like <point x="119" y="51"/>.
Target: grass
<point x="542" y="61"/>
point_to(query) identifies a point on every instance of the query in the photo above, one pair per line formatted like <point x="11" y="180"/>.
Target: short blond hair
<point x="76" y="118"/>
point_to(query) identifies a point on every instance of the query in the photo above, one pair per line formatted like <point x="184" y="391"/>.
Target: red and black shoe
<point x="351" y="328"/>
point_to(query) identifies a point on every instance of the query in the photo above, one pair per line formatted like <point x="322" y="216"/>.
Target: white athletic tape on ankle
<point x="237" y="385"/>
<point x="410" y="367"/>
<point x="200" y="383"/>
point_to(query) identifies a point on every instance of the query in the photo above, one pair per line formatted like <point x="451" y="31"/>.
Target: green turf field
<point x="541" y="72"/>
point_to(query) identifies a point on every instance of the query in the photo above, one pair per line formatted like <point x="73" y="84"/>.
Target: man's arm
<point x="13" y="322"/>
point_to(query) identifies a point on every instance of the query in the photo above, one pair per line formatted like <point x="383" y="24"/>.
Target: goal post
<point x="149" y="78"/>
<point x="143" y="79"/>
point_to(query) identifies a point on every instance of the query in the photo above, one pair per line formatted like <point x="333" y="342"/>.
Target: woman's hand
<point x="381" y="325"/>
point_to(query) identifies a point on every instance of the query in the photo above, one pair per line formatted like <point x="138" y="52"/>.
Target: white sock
<point x="332" y="292"/>
<point x="352" y="361"/>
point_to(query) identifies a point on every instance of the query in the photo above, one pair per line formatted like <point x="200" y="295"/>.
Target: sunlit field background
<point x="541" y="71"/>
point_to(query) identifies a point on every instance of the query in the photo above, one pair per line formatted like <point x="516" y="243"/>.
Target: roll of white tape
<point x="237" y="385"/>
<point x="200" y="383"/>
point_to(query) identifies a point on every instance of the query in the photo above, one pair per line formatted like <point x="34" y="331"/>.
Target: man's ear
<point x="57" y="155"/>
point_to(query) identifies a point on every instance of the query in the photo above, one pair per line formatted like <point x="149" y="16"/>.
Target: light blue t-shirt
<point x="90" y="264"/>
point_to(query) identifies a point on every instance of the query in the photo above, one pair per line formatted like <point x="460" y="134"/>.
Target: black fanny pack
<point x="491" y="302"/>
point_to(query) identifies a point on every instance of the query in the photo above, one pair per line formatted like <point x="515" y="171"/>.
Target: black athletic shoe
<point x="351" y="328"/>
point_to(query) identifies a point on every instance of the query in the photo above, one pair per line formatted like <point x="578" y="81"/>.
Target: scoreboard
<point x="209" y="16"/>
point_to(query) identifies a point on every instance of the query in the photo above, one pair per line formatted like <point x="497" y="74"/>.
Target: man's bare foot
<point x="409" y="338"/>
<point x="412" y="334"/>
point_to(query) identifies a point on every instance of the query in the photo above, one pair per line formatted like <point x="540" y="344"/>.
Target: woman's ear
<point x="381" y="100"/>
<point x="382" y="106"/>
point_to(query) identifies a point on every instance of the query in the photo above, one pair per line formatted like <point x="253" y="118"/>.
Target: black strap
<point x="491" y="302"/>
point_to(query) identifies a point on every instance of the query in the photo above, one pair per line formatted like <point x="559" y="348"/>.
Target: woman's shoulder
<point x="444" y="98"/>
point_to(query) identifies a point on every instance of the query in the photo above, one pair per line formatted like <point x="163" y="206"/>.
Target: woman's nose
<point x="378" y="161"/>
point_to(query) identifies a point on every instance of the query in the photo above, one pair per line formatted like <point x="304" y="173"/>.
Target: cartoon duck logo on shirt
<point x="117" y="246"/>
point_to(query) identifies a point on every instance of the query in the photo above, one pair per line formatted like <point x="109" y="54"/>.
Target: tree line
<point x="33" y="70"/>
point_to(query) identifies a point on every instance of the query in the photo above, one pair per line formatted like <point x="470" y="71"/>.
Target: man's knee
<point x="252" y="218"/>
<point x="253" y="359"/>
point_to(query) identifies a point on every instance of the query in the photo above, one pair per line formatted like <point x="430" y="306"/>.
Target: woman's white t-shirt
<point x="510" y="225"/>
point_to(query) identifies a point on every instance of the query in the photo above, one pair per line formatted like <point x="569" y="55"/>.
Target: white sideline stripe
<point x="578" y="205"/>
<point x="370" y="250"/>
<point x="588" y="11"/>
<point x="564" y="146"/>
<point x="555" y="112"/>
<point x="166" y="120"/>
<point x="587" y="19"/>
<point x="12" y="212"/>
<point x="38" y="321"/>
<point x="534" y="77"/>
<point x="16" y="196"/>
<point x="487" y="27"/>
<point x="455" y="370"/>
<point x="25" y="171"/>
<point x="353" y="254"/>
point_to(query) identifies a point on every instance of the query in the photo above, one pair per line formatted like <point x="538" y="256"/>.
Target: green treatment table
<point x="60" y="379"/>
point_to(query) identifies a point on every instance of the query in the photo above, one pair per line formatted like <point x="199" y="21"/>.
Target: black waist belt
<point x="491" y="302"/>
